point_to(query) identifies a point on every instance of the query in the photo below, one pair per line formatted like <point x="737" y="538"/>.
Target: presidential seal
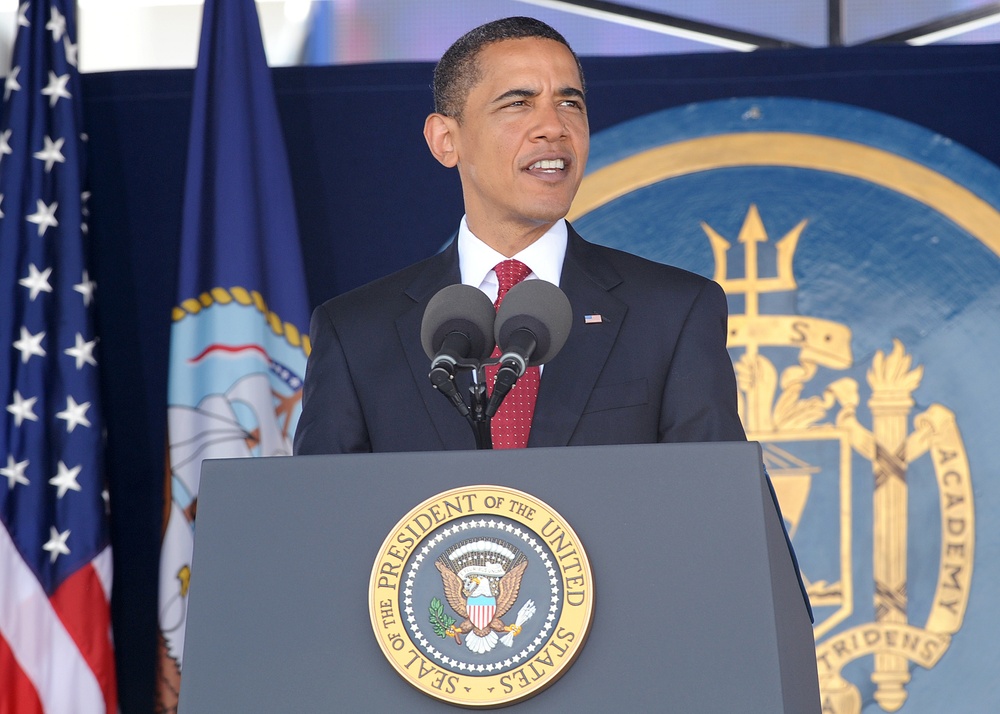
<point x="481" y="596"/>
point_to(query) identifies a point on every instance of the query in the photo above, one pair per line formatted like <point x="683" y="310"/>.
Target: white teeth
<point x="548" y="164"/>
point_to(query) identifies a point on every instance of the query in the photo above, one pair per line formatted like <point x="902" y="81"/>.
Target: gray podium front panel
<point x="697" y="608"/>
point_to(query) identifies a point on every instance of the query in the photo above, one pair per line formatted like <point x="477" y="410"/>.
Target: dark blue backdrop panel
<point x="371" y="199"/>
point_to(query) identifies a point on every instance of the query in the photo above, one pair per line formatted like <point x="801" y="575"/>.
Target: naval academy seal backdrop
<point x="861" y="256"/>
<point x="846" y="199"/>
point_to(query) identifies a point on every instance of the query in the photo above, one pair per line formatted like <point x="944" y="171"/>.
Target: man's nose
<point x="550" y="122"/>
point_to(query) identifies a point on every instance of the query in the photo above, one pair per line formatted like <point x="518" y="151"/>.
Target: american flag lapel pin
<point x="592" y="319"/>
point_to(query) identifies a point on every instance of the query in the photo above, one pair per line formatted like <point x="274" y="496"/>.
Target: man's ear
<point x="440" y="132"/>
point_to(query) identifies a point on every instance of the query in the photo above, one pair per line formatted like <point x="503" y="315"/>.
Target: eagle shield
<point x="481" y="610"/>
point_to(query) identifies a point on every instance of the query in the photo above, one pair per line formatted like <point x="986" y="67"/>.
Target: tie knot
<point x="510" y="273"/>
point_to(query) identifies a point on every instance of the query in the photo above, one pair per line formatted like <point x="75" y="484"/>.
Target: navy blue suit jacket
<point x="654" y="369"/>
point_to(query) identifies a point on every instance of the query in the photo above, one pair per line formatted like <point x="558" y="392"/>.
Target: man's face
<point x="523" y="138"/>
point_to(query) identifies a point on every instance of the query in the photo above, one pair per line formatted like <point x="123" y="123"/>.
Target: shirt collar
<point x="545" y="258"/>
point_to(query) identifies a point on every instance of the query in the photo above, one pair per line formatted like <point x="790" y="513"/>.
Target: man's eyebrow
<point x="528" y="93"/>
<point x="571" y="92"/>
<point x="516" y="94"/>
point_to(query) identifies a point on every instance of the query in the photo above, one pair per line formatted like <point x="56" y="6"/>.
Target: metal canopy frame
<point x="729" y="38"/>
<point x="949" y="26"/>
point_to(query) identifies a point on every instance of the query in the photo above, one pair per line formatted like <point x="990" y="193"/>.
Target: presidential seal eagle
<point x="481" y="580"/>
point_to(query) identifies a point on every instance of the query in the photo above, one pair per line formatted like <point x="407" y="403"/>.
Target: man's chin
<point x="549" y="213"/>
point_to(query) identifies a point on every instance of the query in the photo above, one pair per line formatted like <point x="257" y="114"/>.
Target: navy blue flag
<point x="237" y="356"/>
<point x="56" y="652"/>
<point x="318" y="46"/>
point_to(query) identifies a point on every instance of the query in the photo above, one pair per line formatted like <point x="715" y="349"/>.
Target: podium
<point x="697" y="607"/>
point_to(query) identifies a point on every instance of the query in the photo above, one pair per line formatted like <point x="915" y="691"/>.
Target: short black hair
<point x="458" y="70"/>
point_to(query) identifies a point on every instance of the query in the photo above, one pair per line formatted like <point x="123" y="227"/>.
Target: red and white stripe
<point x="481" y="615"/>
<point x="56" y="655"/>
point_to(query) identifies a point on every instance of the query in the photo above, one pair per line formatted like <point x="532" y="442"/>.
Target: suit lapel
<point x="440" y="271"/>
<point x="568" y="380"/>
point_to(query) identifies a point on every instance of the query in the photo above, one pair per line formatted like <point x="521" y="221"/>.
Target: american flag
<point x="56" y="652"/>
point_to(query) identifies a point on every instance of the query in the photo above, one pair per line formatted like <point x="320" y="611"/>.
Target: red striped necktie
<point x="512" y="422"/>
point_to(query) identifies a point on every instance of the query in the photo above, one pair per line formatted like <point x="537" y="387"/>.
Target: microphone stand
<point x="477" y="413"/>
<point x="484" y="406"/>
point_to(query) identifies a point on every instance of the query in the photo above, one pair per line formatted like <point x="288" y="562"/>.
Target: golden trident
<point x="820" y="342"/>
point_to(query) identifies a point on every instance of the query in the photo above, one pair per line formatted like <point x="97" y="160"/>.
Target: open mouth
<point x="548" y="166"/>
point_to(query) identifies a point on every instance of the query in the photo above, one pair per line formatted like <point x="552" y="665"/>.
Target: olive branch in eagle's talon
<point x="444" y="624"/>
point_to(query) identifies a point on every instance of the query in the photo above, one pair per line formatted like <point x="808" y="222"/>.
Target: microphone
<point x="531" y="327"/>
<point x="457" y="327"/>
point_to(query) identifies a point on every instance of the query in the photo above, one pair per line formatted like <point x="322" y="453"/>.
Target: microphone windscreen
<point x="542" y="308"/>
<point x="459" y="308"/>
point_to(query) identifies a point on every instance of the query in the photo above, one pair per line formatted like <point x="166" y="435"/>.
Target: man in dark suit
<point x="645" y="360"/>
